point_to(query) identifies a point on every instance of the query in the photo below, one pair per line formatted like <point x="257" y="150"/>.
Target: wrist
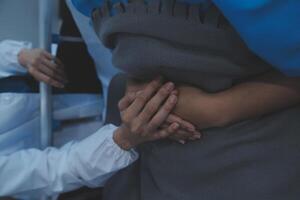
<point x="22" y="57"/>
<point x="122" y="140"/>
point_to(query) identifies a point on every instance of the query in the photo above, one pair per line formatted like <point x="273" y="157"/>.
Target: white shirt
<point x="33" y="173"/>
<point x="9" y="50"/>
<point x="20" y="125"/>
<point x="25" y="171"/>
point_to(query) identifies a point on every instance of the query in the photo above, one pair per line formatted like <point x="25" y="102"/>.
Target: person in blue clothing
<point x="254" y="159"/>
<point x="270" y="28"/>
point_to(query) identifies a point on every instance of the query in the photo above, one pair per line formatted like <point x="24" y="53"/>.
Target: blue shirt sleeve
<point x="270" y="28"/>
<point x="86" y="6"/>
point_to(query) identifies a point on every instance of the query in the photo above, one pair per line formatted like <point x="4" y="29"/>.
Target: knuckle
<point x="48" y="79"/>
<point x="120" y="103"/>
<point x="163" y="92"/>
<point x="153" y="125"/>
<point x="126" y="121"/>
<point x="31" y="70"/>
<point x="168" y="107"/>
<point x="135" y="128"/>
<point x="150" y="109"/>
<point x="36" y="62"/>
<point x="141" y="98"/>
<point x="125" y="118"/>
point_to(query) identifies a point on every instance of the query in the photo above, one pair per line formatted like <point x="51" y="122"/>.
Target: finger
<point x="196" y="137"/>
<point x="164" y="133"/>
<point x="187" y="125"/>
<point x="155" y="103"/>
<point x="47" y="55"/>
<point x="44" y="78"/>
<point x="52" y="61"/>
<point x="53" y="66"/>
<point x="160" y="117"/>
<point x="175" y="92"/>
<point x="59" y="62"/>
<point x="125" y="102"/>
<point x="52" y="73"/>
<point x="142" y="98"/>
<point x="165" y="125"/>
<point x="182" y="134"/>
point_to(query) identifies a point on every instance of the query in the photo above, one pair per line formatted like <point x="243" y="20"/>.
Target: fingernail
<point x="170" y="86"/>
<point x="175" y="126"/>
<point x="191" y="129"/>
<point x="173" y="99"/>
<point x="181" y="141"/>
<point x="197" y="136"/>
<point x="197" y="133"/>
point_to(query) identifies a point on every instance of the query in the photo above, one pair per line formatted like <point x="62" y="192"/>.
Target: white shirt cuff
<point x="9" y="51"/>
<point x="101" y="157"/>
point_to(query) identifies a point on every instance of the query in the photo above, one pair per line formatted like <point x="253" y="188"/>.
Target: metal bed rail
<point x="45" y="31"/>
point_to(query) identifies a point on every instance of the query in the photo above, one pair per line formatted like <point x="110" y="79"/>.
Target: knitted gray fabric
<point x="255" y="159"/>
<point x="169" y="38"/>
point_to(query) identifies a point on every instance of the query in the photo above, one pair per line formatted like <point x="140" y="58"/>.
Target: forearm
<point x="257" y="97"/>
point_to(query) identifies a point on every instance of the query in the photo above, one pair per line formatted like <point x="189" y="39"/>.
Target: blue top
<point x="270" y="28"/>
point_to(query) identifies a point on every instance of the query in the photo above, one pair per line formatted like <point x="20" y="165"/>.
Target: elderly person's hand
<point x="143" y="113"/>
<point x="43" y="66"/>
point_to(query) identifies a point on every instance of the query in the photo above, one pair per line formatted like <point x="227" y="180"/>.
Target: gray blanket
<point x="255" y="159"/>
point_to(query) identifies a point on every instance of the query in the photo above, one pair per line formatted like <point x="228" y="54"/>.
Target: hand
<point x="134" y="85"/>
<point x="43" y="66"/>
<point x="187" y="131"/>
<point x="143" y="113"/>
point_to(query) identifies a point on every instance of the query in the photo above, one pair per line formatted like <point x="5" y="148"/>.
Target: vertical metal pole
<point x="45" y="16"/>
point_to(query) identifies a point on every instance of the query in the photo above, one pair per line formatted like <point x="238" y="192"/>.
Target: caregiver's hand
<point x="143" y="113"/>
<point x="43" y="66"/>
<point x="186" y="131"/>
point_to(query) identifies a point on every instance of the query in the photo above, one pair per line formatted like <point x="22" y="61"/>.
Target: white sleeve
<point x="9" y="50"/>
<point x="90" y="162"/>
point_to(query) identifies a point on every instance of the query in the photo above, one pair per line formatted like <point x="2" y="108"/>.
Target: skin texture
<point x="43" y="67"/>
<point x="186" y="130"/>
<point x="253" y="98"/>
<point x="143" y="113"/>
<point x="257" y="97"/>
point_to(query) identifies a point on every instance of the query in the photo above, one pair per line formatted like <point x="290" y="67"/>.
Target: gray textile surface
<point x="254" y="159"/>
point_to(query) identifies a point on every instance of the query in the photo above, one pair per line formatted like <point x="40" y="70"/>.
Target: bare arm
<point x="259" y="96"/>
